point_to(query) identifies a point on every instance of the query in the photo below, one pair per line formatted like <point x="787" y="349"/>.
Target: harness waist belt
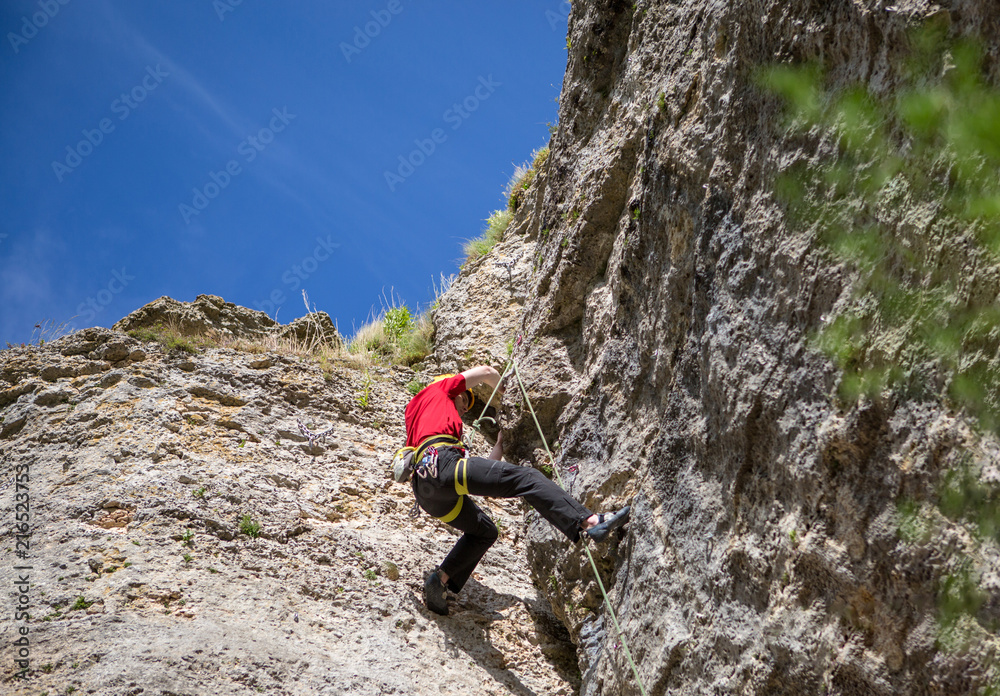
<point x="435" y="440"/>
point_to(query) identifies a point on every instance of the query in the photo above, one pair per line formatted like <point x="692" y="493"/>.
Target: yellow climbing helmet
<point x="468" y="392"/>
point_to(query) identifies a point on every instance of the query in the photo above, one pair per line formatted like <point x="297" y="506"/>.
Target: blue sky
<point x="252" y="149"/>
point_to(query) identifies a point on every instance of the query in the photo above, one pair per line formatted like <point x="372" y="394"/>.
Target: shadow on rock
<point x="469" y="629"/>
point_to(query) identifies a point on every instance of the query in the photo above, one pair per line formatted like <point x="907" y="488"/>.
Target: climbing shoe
<point x="434" y="593"/>
<point x="607" y="523"/>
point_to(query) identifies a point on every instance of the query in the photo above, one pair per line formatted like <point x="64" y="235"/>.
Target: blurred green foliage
<point x="904" y="189"/>
<point x="965" y="496"/>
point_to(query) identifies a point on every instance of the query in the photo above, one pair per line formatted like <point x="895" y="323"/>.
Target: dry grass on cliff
<point x="524" y="176"/>
<point x="393" y="336"/>
<point x="499" y="220"/>
<point x="366" y="348"/>
<point x="496" y="225"/>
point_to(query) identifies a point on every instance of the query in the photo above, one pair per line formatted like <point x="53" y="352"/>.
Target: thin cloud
<point x="178" y="75"/>
<point x="26" y="272"/>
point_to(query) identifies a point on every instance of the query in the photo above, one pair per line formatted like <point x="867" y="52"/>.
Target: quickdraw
<point x="311" y="436"/>
<point x="428" y="464"/>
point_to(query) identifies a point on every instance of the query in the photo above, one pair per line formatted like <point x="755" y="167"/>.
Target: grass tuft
<point x="396" y="334"/>
<point x="496" y="225"/>
<point x="250" y="526"/>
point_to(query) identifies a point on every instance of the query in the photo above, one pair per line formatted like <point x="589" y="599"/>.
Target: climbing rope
<point x="512" y="364"/>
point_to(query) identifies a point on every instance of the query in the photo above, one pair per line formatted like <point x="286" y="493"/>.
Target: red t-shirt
<point x="432" y="412"/>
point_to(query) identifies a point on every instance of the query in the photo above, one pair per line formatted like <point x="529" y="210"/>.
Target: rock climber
<point x="434" y="427"/>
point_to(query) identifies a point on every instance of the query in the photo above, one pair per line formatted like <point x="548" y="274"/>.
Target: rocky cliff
<point x="783" y="541"/>
<point x="182" y="537"/>
<point x="666" y="309"/>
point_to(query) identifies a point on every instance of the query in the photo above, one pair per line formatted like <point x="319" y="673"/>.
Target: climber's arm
<point x="497" y="453"/>
<point x="484" y="374"/>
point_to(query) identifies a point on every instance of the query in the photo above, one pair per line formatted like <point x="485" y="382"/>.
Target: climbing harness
<point x="512" y="365"/>
<point x="421" y="459"/>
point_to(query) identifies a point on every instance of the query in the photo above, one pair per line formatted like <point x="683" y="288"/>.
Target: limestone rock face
<point x="206" y="313"/>
<point x="210" y="314"/>
<point x="181" y="536"/>
<point x="666" y="316"/>
<point x="316" y="328"/>
<point x="478" y="318"/>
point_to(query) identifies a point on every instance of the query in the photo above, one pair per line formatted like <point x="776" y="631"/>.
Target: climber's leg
<point x="488" y="477"/>
<point x="480" y="533"/>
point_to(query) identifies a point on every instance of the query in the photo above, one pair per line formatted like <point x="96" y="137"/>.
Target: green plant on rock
<point x="915" y="524"/>
<point x="965" y="496"/>
<point x="902" y="191"/>
<point x="524" y="176"/>
<point x="395" y="335"/>
<point x="365" y="393"/>
<point x="540" y="157"/>
<point x="418" y="342"/>
<point x="249" y="526"/>
<point x="397" y="322"/>
<point x="517" y="186"/>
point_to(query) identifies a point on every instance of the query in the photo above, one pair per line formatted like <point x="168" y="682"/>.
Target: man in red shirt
<point x="446" y="477"/>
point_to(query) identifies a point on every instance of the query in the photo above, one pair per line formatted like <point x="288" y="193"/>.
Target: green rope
<point x="586" y="546"/>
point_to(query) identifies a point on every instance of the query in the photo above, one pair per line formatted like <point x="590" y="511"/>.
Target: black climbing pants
<point x="446" y="497"/>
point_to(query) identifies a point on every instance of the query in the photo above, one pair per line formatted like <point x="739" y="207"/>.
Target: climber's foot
<point x="434" y="593"/>
<point x="608" y="522"/>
